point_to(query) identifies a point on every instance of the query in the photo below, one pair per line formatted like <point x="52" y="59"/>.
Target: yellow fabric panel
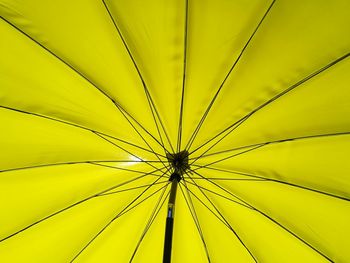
<point x="320" y="220"/>
<point x="35" y="81"/>
<point x="296" y="39"/>
<point x="317" y="107"/>
<point x="51" y="188"/>
<point x="187" y="244"/>
<point x="145" y="153"/>
<point x="317" y="163"/>
<point x="143" y="179"/>
<point x="252" y="227"/>
<point x="118" y="242"/>
<point x="223" y="245"/>
<point x="151" y="248"/>
<point x="216" y="34"/>
<point x="156" y="40"/>
<point x="29" y="140"/>
<point x="82" y="34"/>
<point x="37" y="242"/>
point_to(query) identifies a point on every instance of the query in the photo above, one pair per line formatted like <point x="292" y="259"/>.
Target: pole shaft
<point x="170" y="223"/>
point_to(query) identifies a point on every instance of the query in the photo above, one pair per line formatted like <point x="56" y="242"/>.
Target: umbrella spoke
<point x="264" y="179"/>
<point x="128" y="151"/>
<point x="205" y="205"/>
<point x="217" y="194"/>
<point x="78" y="126"/>
<point x="151" y="104"/>
<point x="155" y="113"/>
<point x="230" y="128"/>
<point x="116" y="104"/>
<point x="62" y="163"/>
<point x="153" y="216"/>
<point x="126" y="209"/>
<point x="270" y="218"/>
<point x="179" y="135"/>
<point x="230" y="156"/>
<point x="148" y="95"/>
<point x="240" y="202"/>
<point x="274" y="142"/>
<point x="79" y="202"/>
<point x="235" y="127"/>
<point x="195" y="219"/>
<point x="293" y="234"/>
<point x="128" y="161"/>
<point x="143" y="200"/>
<point x="189" y="144"/>
<point x="125" y="113"/>
<point x="121" y="213"/>
<point x="228" y="179"/>
<point x="217" y="185"/>
<point x="132" y="188"/>
<point x="122" y="168"/>
<point x="222" y="216"/>
<point x="149" y="146"/>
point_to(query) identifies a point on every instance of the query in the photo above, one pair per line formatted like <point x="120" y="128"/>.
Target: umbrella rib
<point x="195" y="219"/>
<point x="143" y="200"/>
<point x="128" y="161"/>
<point x="116" y="104"/>
<point x="222" y="216"/>
<point x="235" y="127"/>
<point x="162" y="145"/>
<point x="148" y="95"/>
<point x="120" y="168"/>
<point x="242" y="202"/>
<point x="270" y="218"/>
<point x="219" y="218"/>
<point x="264" y="179"/>
<point x="229" y="179"/>
<point x="189" y="144"/>
<point x="122" y="110"/>
<point x="143" y="137"/>
<point x="277" y="96"/>
<point x="217" y="185"/>
<point x="139" y="124"/>
<point x="77" y="126"/>
<point x="157" y="127"/>
<point x="179" y="135"/>
<point x="122" y="212"/>
<point x="160" y="121"/>
<point x="77" y="203"/>
<point x="125" y="210"/>
<point x="215" y="193"/>
<point x="128" y="151"/>
<point x="132" y="188"/>
<point x="55" y="164"/>
<point x="275" y="142"/>
<point x="151" y="219"/>
<point x="230" y="156"/>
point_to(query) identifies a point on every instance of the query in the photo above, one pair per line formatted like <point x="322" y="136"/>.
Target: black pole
<point x="179" y="162"/>
<point x="174" y="178"/>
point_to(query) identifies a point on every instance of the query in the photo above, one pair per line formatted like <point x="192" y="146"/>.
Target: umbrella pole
<point x="179" y="162"/>
<point x="174" y="178"/>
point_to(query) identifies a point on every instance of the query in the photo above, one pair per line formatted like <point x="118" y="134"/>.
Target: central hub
<point x="179" y="161"/>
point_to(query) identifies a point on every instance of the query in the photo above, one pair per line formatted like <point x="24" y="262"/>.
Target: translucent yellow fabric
<point x="95" y="94"/>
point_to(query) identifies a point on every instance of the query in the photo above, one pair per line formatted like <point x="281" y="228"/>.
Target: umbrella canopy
<point x="190" y="131"/>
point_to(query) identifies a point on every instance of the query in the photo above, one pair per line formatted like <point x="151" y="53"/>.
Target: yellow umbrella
<point x="174" y="131"/>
